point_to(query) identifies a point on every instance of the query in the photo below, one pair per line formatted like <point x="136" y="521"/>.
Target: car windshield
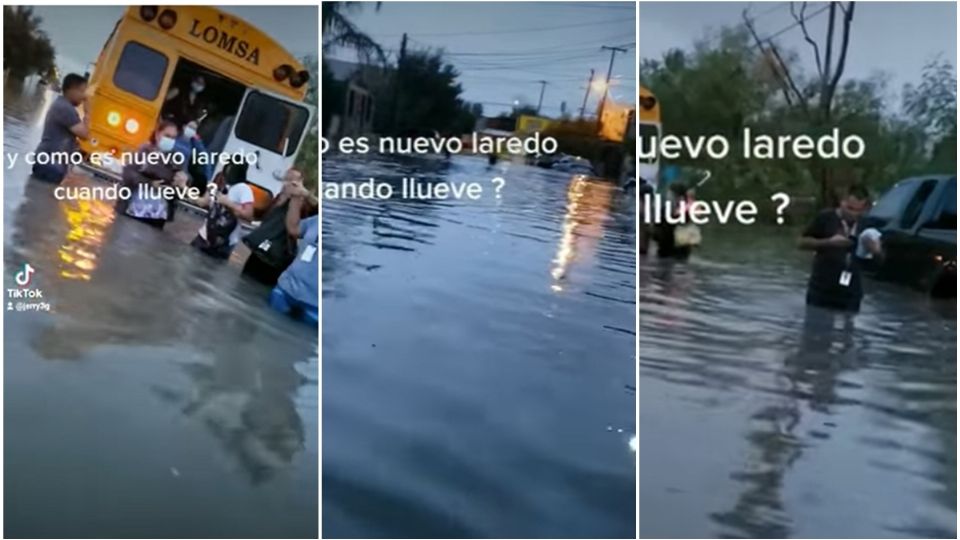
<point x="891" y="203"/>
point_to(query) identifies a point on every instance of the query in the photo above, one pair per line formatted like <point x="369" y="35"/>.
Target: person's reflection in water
<point x="824" y="350"/>
<point x="245" y="398"/>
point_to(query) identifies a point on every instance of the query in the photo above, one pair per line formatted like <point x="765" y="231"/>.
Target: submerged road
<point x="160" y="396"/>
<point x="478" y="356"/>
<point x="760" y="419"/>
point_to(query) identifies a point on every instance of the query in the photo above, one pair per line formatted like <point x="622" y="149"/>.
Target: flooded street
<point x="479" y="361"/>
<point x="161" y="396"/>
<point x="759" y="419"/>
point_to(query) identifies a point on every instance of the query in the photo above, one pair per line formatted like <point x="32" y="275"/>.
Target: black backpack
<point x="220" y="225"/>
<point x="221" y="222"/>
<point x="270" y="242"/>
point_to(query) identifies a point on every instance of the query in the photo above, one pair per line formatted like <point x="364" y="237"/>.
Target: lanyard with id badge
<point x="850" y="232"/>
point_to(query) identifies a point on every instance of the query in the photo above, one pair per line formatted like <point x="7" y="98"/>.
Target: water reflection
<point x="179" y="391"/>
<point x="588" y="204"/>
<point x="87" y="221"/>
<point x="811" y="416"/>
<point x="478" y="357"/>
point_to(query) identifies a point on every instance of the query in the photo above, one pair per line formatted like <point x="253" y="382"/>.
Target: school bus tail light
<point x="648" y="102"/>
<point x="132" y="126"/>
<point x="113" y="119"/>
<point x="299" y="79"/>
<point x="148" y="13"/>
<point x="282" y="72"/>
<point x="168" y="19"/>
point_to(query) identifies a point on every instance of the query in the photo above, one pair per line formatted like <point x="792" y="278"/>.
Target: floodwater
<point x="479" y="367"/>
<point x="760" y="419"/>
<point x="160" y="397"/>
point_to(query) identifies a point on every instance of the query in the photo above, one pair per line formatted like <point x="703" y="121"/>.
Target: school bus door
<point x="271" y="128"/>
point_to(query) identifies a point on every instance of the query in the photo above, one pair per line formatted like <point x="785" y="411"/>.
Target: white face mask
<point x="165" y="144"/>
<point x="189" y="132"/>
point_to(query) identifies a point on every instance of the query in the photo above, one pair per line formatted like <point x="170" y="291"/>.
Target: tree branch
<point x="789" y="78"/>
<point x="847" y="20"/>
<point x="783" y="87"/>
<point x="801" y="19"/>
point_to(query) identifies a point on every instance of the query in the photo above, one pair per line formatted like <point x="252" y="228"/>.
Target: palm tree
<point x="339" y="31"/>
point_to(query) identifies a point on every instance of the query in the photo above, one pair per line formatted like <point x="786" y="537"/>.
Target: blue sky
<point x="503" y="48"/>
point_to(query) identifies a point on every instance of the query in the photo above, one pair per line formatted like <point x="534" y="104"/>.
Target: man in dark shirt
<point x="835" y="280"/>
<point x="61" y="128"/>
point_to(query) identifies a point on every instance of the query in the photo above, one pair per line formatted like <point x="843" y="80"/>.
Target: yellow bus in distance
<point x="649" y="130"/>
<point x="253" y="96"/>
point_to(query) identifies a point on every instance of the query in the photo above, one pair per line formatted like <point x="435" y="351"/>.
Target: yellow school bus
<point x="528" y="124"/>
<point x="253" y="96"/>
<point x="648" y="121"/>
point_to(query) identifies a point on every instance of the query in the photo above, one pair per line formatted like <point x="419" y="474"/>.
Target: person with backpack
<point x="297" y="293"/>
<point x="228" y="201"/>
<point x="273" y="244"/>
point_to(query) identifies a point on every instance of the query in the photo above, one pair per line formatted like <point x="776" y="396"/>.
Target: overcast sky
<point x="503" y="49"/>
<point x="893" y="37"/>
<point x="78" y="32"/>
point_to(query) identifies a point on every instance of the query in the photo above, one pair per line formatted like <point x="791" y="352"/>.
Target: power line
<point x="622" y="6"/>
<point x="523" y="30"/>
<point x="786" y="29"/>
<point x="776" y="6"/>
<point x="535" y="52"/>
<point x="595" y="41"/>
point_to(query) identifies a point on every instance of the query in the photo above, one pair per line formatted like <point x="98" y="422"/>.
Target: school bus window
<point x="271" y="123"/>
<point x="140" y="70"/>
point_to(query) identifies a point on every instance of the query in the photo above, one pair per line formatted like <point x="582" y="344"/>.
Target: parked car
<point x="918" y="220"/>
<point x="573" y="165"/>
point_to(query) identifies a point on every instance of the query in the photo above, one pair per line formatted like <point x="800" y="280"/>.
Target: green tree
<point x="428" y="97"/>
<point x="307" y="158"/>
<point x="727" y="83"/>
<point x="931" y="107"/>
<point x="26" y="48"/>
<point x="339" y="30"/>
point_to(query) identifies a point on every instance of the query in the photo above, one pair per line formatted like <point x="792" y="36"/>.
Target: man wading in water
<point x="835" y="280"/>
<point x="61" y="128"/>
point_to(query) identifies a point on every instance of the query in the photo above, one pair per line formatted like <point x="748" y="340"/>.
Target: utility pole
<point x="606" y="88"/>
<point x="396" y="83"/>
<point x="543" y="86"/>
<point x="586" y="96"/>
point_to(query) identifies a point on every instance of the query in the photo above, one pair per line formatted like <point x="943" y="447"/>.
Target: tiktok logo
<point x="24" y="276"/>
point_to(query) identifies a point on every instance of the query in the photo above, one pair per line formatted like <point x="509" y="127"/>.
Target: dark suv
<point x="918" y="219"/>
